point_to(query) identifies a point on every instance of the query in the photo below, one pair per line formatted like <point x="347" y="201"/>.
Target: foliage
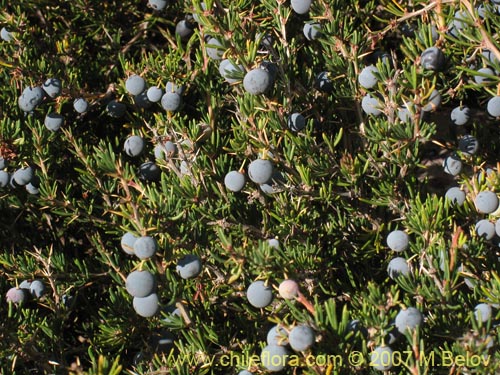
<point x="345" y="181"/>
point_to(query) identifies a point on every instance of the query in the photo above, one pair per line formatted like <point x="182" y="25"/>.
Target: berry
<point x="460" y="115"/>
<point x="234" y="181"/>
<point x="486" y="202"/>
<point x="53" y="121"/>
<point x="260" y="171"/>
<point x="172" y="87"/>
<point x="301" y="6"/>
<point x="127" y="243"/>
<point x="455" y="195"/>
<point x="259" y="294"/>
<point x="215" y="49"/>
<point x="146" y="306"/>
<point x="355" y="326"/>
<point x="468" y="144"/>
<point x="493" y="106"/>
<point x="230" y="71"/>
<point x="277" y="335"/>
<point x="16" y="295"/>
<point x="485" y="229"/>
<point x="149" y="171"/>
<point x="140" y="283"/>
<point x="142" y="101"/>
<point x="80" y="105"/>
<point x="154" y="94"/>
<point x="288" y="289"/>
<point x="273" y="243"/>
<point x="433" y="101"/>
<point x="398" y="267"/>
<point x="323" y="83"/>
<point x="398" y="240"/>
<point x="482" y="312"/>
<point x="167" y="149"/>
<point x="371" y="105"/>
<point x="484" y="75"/>
<point x="274" y="357"/>
<point x="452" y="165"/>
<point x="31" y="98"/>
<point x="171" y="101"/>
<point x="32" y="189"/>
<point x="134" y="145"/>
<point x="183" y="29"/>
<point x="312" y="31"/>
<point x="301" y="338"/>
<point x="3" y="163"/>
<point x="6" y="35"/>
<point x="53" y="87"/>
<point x="23" y="176"/>
<point x="409" y="318"/>
<point x="296" y="122"/>
<point x="406" y="112"/>
<point x="135" y="84"/>
<point x="257" y="81"/>
<point x="497" y="227"/>
<point x="189" y="266"/>
<point x="367" y="78"/>
<point x="4" y="179"/>
<point x="37" y="288"/>
<point x="157" y="4"/>
<point x="145" y="247"/>
<point x="433" y="59"/>
<point x="245" y="372"/>
<point x="116" y="109"/>
<point x="382" y="358"/>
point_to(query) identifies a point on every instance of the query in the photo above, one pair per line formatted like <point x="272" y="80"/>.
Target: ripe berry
<point x="257" y="81"/>
<point x="53" y="121"/>
<point x="116" y="109"/>
<point x="145" y="247"/>
<point x="323" y="83"/>
<point x="398" y="240"/>
<point x="493" y="106"/>
<point x="260" y="171"/>
<point x="53" y="87"/>
<point x="382" y="358"/>
<point x="484" y="75"/>
<point x="433" y="101"/>
<point x="31" y="98"/>
<point x="134" y="145"/>
<point x="482" y="312"/>
<point x="23" y="176"/>
<point x="140" y="283"/>
<point x="154" y="94"/>
<point x="4" y="178"/>
<point x="398" y="267"/>
<point x="171" y="101"/>
<point x="296" y="122"/>
<point x="234" y="181"/>
<point x="274" y="357"/>
<point x="277" y="335"/>
<point x="157" y="4"/>
<point x="184" y="29"/>
<point x="127" y="243"/>
<point x="215" y="49"/>
<point x="312" y="31"/>
<point x="497" y="227"/>
<point x="135" y="84"/>
<point x="259" y="294"/>
<point x="301" y="338"/>
<point x="367" y="78"/>
<point x="80" y="105"/>
<point x="149" y="171"/>
<point x="37" y="288"/>
<point x="455" y="195"/>
<point x="468" y="144"/>
<point x="460" y="115"/>
<point x="486" y="202"/>
<point x="146" y="306"/>
<point x="485" y="229"/>
<point x="142" y="101"/>
<point x="370" y="105"/>
<point x="301" y="6"/>
<point x="6" y="35"/>
<point x="452" y="165"/>
<point x="409" y="318"/>
<point x="273" y="243"/>
<point x="189" y="266"/>
<point x="230" y="71"/>
<point x="433" y="59"/>
<point x="168" y="149"/>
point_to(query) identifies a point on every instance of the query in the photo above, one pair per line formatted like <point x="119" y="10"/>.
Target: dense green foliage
<point x="343" y="183"/>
